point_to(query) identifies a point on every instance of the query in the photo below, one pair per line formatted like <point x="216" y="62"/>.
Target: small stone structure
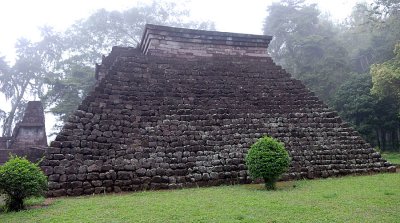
<point x="182" y="110"/>
<point x="28" y="135"/>
<point x="185" y="43"/>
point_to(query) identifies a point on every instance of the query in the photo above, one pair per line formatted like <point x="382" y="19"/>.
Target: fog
<point x="21" y="18"/>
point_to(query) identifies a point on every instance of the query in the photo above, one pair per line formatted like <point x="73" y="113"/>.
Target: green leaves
<point x="20" y="179"/>
<point x="375" y="118"/>
<point x="267" y="159"/>
<point x="386" y="77"/>
<point x="334" y="60"/>
<point x="307" y="46"/>
<point x="65" y="94"/>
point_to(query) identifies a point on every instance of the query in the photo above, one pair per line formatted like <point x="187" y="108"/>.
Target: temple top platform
<point x="188" y="43"/>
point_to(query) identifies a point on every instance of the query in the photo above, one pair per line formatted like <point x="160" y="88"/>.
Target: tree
<point x="289" y="22"/>
<point x="20" y="179"/>
<point x="388" y="124"/>
<point x="304" y="43"/>
<point x="25" y="78"/>
<point x="70" y="91"/>
<point x="4" y="70"/>
<point x="371" y="32"/>
<point x="87" y="39"/>
<point x="386" y="86"/>
<point x="375" y="118"/>
<point x="267" y="159"/>
<point x="386" y="77"/>
<point x="334" y="61"/>
<point x="387" y="8"/>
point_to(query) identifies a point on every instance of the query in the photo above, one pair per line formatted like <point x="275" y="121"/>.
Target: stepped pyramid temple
<point x="181" y="110"/>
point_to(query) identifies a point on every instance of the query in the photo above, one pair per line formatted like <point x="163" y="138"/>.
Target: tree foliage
<point x="20" y="179"/>
<point x="24" y="79"/>
<point x="305" y="44"/>
<point x="355" y="103"/>
<point x="334" y="61"/>
<point x="386" y="77"/>
<point x="70" y="91"/>
<point x="89" y="38"/>
<point x="267" y="159"/>
<point x="373" y="117"/>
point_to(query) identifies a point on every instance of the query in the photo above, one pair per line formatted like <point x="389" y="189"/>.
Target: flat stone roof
<point x="160" y="38"/>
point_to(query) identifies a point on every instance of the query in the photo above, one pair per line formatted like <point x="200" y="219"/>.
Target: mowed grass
<point x="392" y="157"/>
<point x="374" y="198"/>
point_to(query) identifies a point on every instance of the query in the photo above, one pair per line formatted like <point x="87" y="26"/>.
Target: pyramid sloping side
<point x="154" y="123"/>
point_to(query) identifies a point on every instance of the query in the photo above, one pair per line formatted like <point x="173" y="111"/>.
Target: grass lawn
<point x="393" y="157"/>
<point x="374" y="198"/>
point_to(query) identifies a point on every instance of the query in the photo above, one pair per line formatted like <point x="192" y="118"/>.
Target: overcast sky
<point x="21" y="18"/>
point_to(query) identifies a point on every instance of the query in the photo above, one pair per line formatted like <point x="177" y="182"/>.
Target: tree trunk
<point x="394" y="141"/>
<point x="378" y="139"/>
<point x="383" y="140"/>
<point x="15" y="203"/>
<point x="7" y="126"/>
<point x="270" y="184"/>
<point x="398" y="138"/>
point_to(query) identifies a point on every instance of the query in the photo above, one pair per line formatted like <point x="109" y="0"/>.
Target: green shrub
<point x="267" y="159"/>
<point x="20" y="179"/>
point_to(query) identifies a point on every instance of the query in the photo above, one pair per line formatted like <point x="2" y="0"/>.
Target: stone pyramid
<point x="182" y="109"/>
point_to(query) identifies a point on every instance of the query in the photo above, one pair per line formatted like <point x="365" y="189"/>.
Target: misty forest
<point x="353" y="66"/>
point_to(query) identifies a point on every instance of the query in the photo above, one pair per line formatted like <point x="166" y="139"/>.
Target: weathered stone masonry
<point x="28" y="137"/>
<point x="162" y="116"/>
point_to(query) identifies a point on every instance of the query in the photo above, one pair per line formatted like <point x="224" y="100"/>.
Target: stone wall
<point x="33" y="154"/>
<point x="29" y="135"/>
<point x="163" y="122"/>
<point x="31" y="130"/>
<point x="189" y="43"/>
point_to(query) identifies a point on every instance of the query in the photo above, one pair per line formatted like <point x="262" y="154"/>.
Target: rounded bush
<point x="20" y="179"/>
<point x="267" y="159"/>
